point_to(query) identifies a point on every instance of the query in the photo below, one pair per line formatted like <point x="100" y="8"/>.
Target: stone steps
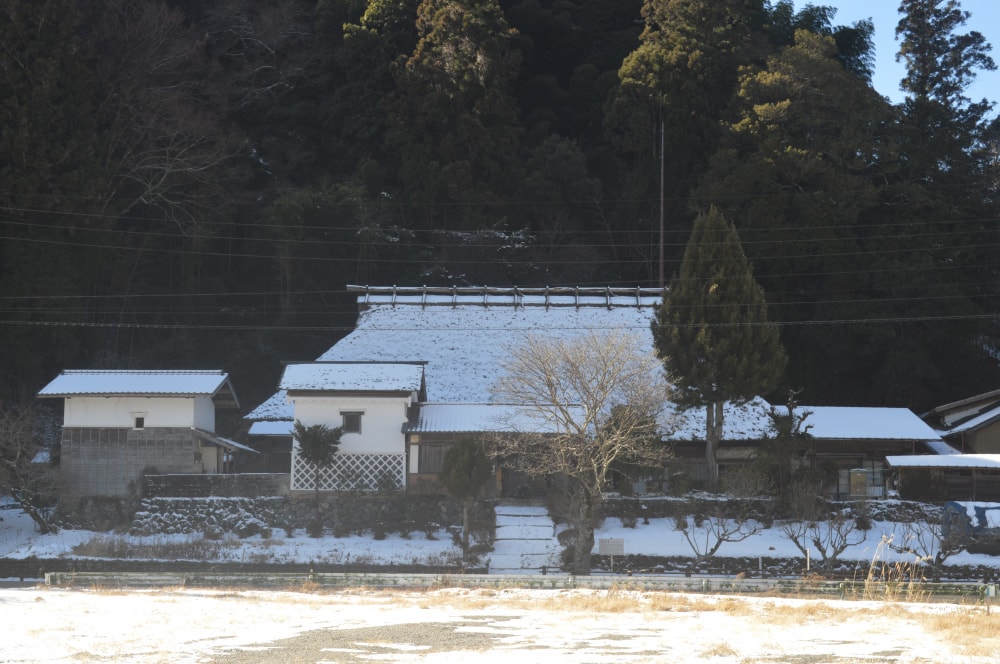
<point x="525" y="540"/>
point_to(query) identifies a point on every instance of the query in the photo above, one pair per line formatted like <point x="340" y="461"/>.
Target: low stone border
<point x="855" y="590"/>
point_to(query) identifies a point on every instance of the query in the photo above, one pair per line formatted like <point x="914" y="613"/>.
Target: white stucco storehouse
<point x="371" y="402"/>
<point x="118" y="425"/>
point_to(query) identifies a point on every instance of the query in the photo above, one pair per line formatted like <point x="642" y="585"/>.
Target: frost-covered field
<point x="451" y="625"/>
<point x="446" y="625"/>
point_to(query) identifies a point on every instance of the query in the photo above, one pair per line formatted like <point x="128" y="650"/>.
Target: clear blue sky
<point x="885" y="15"/>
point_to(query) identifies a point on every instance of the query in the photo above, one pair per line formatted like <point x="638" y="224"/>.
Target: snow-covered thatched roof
<point x="464" y="335"/>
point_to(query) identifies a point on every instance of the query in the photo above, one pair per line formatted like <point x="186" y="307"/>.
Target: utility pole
<point x="662" y="280"/>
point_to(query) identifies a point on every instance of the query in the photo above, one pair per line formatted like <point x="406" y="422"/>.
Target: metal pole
<point x="662" y="280"/>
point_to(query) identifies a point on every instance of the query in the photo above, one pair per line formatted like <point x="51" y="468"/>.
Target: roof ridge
<point x="180" y="372"/>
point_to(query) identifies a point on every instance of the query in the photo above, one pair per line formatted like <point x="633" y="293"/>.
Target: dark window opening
<point x="351" y="422"/>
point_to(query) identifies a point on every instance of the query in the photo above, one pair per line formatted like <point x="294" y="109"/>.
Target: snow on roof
<point x="858" y="423"/>
<point x="973" y="423"/>
<point x="990" y="461"/>
<point x="941" y="447"/>
<point x="477" y="417"/>
<point x="748" y="421"/>
<point x="352" y="377"/>
<point x="752" y="422"/>
<point x="276" y="408"/>
<point x="143" y="383"/>
<point x="464" y="337"/>
<point x="282" y="428"/>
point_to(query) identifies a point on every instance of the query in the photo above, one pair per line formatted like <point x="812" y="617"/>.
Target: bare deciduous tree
<point x="931" y="544"/>
<point x="829" y="537"/>
<point x="26" y="478"/>
<point x="589" y="402"/>
<point x="706" y="534"/>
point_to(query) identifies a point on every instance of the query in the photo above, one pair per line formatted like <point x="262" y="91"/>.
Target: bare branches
<point x="23" y="474"/>
<point x="583" y="405"/>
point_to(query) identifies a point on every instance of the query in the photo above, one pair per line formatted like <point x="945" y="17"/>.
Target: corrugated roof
<point x="141" y="383"/>
<point x="352" y="377"/>
<point x="478" y="418"/>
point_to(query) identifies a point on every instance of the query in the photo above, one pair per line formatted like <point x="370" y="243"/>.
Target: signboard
<point x="611" y="546"/>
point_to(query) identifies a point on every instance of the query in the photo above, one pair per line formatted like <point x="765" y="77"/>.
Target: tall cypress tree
<point x="712" y="332"/>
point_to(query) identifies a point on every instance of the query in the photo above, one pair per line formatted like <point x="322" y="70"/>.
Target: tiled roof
<point x="140" y="383"/>
<point x="352" y="377"/>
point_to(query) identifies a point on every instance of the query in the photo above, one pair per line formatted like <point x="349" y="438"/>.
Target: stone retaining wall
<point x="251" y="485"/>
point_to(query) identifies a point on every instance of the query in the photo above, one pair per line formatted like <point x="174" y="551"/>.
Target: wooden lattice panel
<point x="351" y="472"/>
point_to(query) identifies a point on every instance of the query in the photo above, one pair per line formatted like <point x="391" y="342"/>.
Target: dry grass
<point x="971" y="631"/>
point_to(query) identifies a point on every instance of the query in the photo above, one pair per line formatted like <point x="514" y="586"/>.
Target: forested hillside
<point x="192" y="183"/>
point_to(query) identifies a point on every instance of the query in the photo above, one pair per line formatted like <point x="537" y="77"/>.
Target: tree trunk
<point x="713" y="436"/>
<point x="584" y="535"/>
<point x="465" y="529"/>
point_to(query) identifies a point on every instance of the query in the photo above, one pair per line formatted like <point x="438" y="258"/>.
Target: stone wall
<point x="250" y="485"/>
<point x="341" y="514"/>
<point x="110" y="462"/>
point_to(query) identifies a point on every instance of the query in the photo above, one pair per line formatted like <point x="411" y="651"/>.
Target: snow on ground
<point x="19" y="539"/>
<point x="449" y="625"/>
<point x="191" y="625"/>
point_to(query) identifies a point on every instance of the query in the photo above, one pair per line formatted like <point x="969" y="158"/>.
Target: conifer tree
<point x="466" y="468"/>
<point x="712" y="332"/>
<point x="317" y="444"/>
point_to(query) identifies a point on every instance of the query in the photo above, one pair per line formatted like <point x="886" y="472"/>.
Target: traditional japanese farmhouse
<point x="118" y="425"/>
<point x="415" y="374"/>
<point x="414" y="378"/>
<point x="852" y="443"/>
<point x="966" y="465"/>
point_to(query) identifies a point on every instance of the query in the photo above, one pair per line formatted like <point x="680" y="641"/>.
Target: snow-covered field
<point x="446" y="625"/>
<point x="453" y="625"/>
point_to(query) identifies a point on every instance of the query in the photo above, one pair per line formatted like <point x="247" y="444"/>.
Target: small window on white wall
<point x="351" y="421"/>
<point x="140" y="422"/>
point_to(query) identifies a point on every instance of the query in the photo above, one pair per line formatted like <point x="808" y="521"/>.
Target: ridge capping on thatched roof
<point x="515" y="296"/>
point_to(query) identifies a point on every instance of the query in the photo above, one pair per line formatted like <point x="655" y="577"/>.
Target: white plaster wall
<point x="120" y="412"/>
<point x="204" y="413"/>
<point x="381" y="424"/>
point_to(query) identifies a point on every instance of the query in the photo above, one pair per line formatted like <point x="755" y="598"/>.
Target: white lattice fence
<point x="351" y="472"/>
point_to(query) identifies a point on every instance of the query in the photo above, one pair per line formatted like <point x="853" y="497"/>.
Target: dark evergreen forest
<point x="192" y="183"/>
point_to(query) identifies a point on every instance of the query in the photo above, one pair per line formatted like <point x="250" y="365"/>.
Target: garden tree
<point x="711" y="329"/>
<point x="829" y="536"/>
<point x="464" y="471"/>
<point x="453" y="122"/>
<point x="706" y="533"/>
<point x="589" y="401"/>
<point x="929" y="543"/>
<point x="777" y="450"/>
<point x="679" y="80"/>
<point x="23" y="476"/>
<point x="317" y="445"/>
